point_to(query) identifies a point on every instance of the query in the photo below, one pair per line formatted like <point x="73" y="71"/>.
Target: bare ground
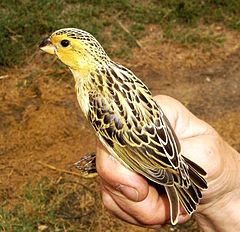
<point x="41" y="123"/>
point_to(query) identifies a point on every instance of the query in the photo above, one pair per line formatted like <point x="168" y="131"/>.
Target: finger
<point x="184" y="123"/>
<point x="204" y="150"/>
<point x="146" y="207"/>
<point x="168" y="105"/>
<point x="114" y="209"/>
<point x="153" y="210"/>
<point x="132" y="185"/>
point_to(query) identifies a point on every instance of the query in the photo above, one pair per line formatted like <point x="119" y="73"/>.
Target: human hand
<point x="129" y="196"/>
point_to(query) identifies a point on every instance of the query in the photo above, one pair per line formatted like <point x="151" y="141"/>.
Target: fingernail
<point x="129" y="192"/>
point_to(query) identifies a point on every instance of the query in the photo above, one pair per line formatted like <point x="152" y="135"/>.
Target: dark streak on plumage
<point x="142" y="97"/>
<point x="110" y="131"/>
<point x="150" y="130"/>
<point x="108" y="118"/>
<point x="143" y="137"/>
<point x="120" y="107"/>
<point x="118" y="123"/>
<point x="100" y="79"/>
<point x="116" y="98"/>
<point x="109" y="77"/>
<point x="126" y="87"/>
<point x="114" y="74"/>
<point x="161" y="133"/>
<point x="116" y="87"/>
<point x="109" y="141"/>
<point x="157" y="123"/>
<point x="131" y="105"/>
<point x="120" y="139"/>
<point x="133" y="138"/>
<point x="129" y="96"/>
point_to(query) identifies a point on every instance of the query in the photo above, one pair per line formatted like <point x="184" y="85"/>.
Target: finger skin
<point x="118" y="176"/>
<point x="184" y="123"/>
<point x="114" y="209"/>
<point x="152" y="211"/>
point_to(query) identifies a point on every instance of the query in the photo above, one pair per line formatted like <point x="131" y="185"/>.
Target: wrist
<point x="223" y="216"/>
<point x="221" y="211"/>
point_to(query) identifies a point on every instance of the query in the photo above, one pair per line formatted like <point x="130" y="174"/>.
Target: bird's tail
<point x="189" y="196"/>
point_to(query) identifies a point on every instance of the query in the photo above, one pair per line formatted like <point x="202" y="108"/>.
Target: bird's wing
<point x="134" y="127"/>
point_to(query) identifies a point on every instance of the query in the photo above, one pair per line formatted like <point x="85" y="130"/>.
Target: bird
<point x="127" y="120"/>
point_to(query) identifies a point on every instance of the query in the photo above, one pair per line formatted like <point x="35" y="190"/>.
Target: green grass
<point x="56" y="206"/>
<point x="24" y="23"/>
<point x="37" y="207"/>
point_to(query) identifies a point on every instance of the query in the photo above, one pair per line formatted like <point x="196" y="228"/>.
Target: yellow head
<point x="76" y="48"/>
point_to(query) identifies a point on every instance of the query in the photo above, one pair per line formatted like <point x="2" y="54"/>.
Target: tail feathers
<point x="196" y="174"/>
<point x="197" y="179"/>
<point x="185" y="189"/>
<point x="174" y="203"/>
<point x="196" y="167"/>
<point x="189" y="197"/>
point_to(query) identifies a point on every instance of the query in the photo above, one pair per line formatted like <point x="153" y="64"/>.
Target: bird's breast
<point x="81" y="91"/>
<point x="83" y="99"/>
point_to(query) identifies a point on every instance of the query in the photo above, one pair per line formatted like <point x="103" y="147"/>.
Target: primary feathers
<point x="129" y="123"/>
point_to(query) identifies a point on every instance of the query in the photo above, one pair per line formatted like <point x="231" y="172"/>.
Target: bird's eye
<point x="65" y="42"/>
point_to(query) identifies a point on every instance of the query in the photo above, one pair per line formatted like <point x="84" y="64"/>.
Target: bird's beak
<point x="47" y="46"/>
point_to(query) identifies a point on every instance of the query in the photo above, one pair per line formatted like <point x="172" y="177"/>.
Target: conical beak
<point x="47" y="46"/>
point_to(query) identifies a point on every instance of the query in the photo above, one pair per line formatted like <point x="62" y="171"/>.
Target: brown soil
<point x="40" y="119"/>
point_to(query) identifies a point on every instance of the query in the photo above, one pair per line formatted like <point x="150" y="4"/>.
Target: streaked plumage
<point x="127" y="120"/>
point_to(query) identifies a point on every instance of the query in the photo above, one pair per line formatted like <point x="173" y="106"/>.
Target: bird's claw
<point x="87" y="164"/>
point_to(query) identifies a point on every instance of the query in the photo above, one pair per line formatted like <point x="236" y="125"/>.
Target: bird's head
<point x="76" y="48"/>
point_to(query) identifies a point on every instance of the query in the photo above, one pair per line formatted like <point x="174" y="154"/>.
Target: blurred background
<point x="188" y="49"/>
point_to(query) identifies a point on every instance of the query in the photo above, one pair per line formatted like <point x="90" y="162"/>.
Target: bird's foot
<point x="87" y="165"/>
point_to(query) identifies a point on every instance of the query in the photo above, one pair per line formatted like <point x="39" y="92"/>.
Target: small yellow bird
<point x="128" y="122"/>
